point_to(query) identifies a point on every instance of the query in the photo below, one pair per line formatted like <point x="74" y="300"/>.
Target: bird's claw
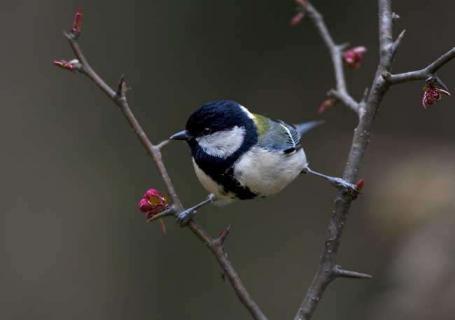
<point x="185" y="216"/>
<point x="345" y="186"/>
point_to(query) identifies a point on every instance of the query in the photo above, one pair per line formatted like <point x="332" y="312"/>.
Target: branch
<point x="422" y="74"/>
<point x="336" y="54"/>
<point x="215" y="245"/>
<point x="328" y="269"/>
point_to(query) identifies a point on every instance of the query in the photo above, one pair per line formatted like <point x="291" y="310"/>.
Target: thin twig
<point x="336" y="54"/>
<point x="422" y="74"/>
<point x="343" y="273"/>
<point x="214" y="244"/>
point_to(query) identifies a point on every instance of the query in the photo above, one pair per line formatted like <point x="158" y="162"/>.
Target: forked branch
<point x="328" y="269"/>
<point x="422" y="74"/>
<point x="118" y="96"/>
<point x="336" y="54"/>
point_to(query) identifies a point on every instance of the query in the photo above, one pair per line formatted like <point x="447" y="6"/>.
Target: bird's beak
<point x="181" y="135"/>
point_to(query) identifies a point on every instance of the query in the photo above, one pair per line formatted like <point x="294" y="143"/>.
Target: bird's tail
<point x="305" y="127"/>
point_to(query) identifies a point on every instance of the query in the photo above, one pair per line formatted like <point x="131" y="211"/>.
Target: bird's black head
<point x="215" y="116"/>
<point x="220" y="129"/>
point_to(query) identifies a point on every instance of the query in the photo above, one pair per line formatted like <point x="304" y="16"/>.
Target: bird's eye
<point x="207" y="130"/>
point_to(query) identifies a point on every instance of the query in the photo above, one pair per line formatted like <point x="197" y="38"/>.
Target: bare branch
<point x="336" y="54"/>
<point x="214" y="244"/>
<point x="327" y="270"/>
<point x="424" y="73"/>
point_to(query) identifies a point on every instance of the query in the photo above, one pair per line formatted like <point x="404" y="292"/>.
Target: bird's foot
<point x="185" y="216"/>
<point x="343" y="185"/>
<point x="339" y="183"/>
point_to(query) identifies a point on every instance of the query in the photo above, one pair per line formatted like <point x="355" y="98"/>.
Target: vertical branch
<point x="328" y="269"/>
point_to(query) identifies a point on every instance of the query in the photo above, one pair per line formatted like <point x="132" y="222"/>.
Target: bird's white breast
<point x="265" y="172"/>
<point x="221" y="197"/>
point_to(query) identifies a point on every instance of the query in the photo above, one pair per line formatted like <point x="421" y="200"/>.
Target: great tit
<point x="241" y="155"/>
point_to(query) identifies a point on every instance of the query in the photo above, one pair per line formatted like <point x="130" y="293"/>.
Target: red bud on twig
<point x="360" y="184"/>
<point x="77" y="23"/>
<point x="353" y="57"/>
<point x="152" y="203"/>
<point x="326" y="104"/>
<point x="296" y="19"/>
<point x="433" y="92"/>
<point x="302" y="3"/>
<point x="71" y="65"/>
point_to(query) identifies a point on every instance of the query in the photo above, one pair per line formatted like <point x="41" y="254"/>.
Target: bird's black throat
<point x="221" y="169"/>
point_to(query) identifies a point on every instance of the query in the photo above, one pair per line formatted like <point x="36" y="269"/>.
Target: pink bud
<point x="152" y="203"/>
<point x="326" y="104"/>
<point x="144" y="205"/>
<point x="72" y="65"/>
<point x="296" y="19"/>
<point x="301" y="2"/>
<point x="152" y="193"/>
<point x="353" y="57"/>
<point x="432" y="94"/>
<point x="77" y="23"/>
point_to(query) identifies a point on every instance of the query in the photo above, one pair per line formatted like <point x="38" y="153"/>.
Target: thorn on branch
<point x="435" y="81"/>
<point x="343" y="46"/>
<point x="395" y="16"/>
<point x="72" y="65"/>
<point x="219" y="241"/>
<point x="397" y="42"/>
<point x="122" y="88"/>
<point x="365" y="95"/>
<point x="339" y="272"/>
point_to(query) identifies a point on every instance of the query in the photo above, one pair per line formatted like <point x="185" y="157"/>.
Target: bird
<point x="240" y="155"/>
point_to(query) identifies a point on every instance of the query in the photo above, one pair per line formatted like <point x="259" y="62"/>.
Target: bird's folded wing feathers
<point x="278" y="136"/>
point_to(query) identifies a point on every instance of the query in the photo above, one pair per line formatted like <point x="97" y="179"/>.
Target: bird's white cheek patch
<point x="222" y="144"/>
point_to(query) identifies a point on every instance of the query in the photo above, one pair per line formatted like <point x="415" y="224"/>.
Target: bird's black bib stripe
<point x="231" y="184"/>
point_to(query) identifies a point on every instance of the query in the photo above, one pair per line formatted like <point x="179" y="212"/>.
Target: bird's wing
<point x="277" y="135"/>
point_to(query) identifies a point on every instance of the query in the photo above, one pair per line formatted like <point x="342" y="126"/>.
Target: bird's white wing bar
<point x="288" y="132"/>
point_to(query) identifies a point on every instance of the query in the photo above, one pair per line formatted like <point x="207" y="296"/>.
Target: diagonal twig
<point x="215" y="245"/>
<point x="421" y="74"/>
<point x="336" y="54"/>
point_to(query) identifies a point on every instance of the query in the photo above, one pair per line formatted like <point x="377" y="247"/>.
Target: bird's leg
<point x="186" y="215"/>
<point x="335" y="181"/>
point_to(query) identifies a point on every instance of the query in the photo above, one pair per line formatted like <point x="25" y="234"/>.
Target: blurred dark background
<point x="72" y="243"/>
